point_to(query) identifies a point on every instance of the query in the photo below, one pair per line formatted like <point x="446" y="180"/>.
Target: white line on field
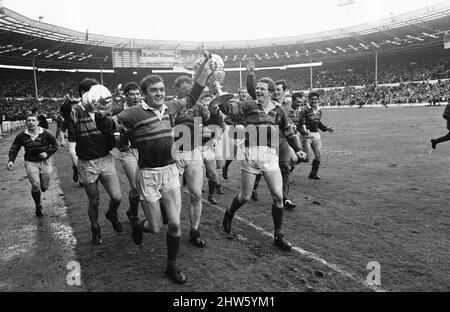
<point x="303" y="252"/>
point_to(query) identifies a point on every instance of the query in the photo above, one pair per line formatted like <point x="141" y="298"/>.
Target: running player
<point x="287" y="157"/>
<point x="190" y="162"/>
<point x="212" y="148"/>
<point x="446" y="137"/>
<point x="39" y="145"/>
<point x="94" y="162"/>
<point x="266" y="119"/>
<point x="233" y="122"/>
<point x="71" y="137"/>
<point x="158" y="177"/>
<point x="128" y="150"/>
<point x="309" y="125"/>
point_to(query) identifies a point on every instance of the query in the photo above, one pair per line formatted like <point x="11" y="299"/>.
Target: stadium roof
<point x="23" y="40"/>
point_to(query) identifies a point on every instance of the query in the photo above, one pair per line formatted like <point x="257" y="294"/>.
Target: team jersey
<point x="311" y="119"/>
<point x="44" y="142"/>
<point x="215" y="120"/>
<point x="284" y="141"/>
<point x="270" y="125"/>
<point x="126" y="140"/>
<point x="187" y="118"/>
<point x="152" y="128"/>
<point x="91" y="142"/>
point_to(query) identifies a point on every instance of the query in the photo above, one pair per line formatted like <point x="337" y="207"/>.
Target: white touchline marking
<point x="303" y="252"/>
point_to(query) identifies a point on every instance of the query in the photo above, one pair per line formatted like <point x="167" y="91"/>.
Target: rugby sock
<point x="173" y="245"/>
<point x="227" y="164"/>
<point x="134" y="205"/>
<point x="114" y="205"/>
<point x="235" y="205"/>
<point x="36" y="197"/>
<point x="277" y="215"/>
<point x="314" y="168"/>
<point x="211" y="187"/>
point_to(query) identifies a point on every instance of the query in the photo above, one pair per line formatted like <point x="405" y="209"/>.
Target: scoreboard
<point x="151" y="58"/>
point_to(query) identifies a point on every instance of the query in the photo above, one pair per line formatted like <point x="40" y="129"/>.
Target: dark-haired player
<point x="190" y="162"/>
<point x="94" y="161"/>
<point x="128" y="151"/>
<point x="309" y="125"/>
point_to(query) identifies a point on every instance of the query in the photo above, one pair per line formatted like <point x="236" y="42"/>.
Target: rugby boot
<point x="174" y="273"/>
<point x="433" y="144"/>
<point x="38" y="211"/>
<point x="255" y="196"/>
<point x="289" y="204"/>
<point x="314" y="170"/>
<point x="226" y="223"/>
<point x="75" y="174"/>
<point x="211" y="200"/>
<point x="219" y="189"/>
<point x="96" y="235"/>
<point x="281" y="242"/>
<point x="194" y="237"/>
<point x="225" y="173"/>
<point x="112" y="217"/>
<point x="137" y="232"/>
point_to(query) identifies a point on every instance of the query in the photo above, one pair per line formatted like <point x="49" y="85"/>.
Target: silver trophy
<point x="217" y="78"/>
<point x="98" y="98"/>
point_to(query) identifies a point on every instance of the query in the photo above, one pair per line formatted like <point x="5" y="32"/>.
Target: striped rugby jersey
<point x="44" y="142"/>
<point x="91" y="143"/>
<point x="269" y="126"/>
<point x="215" y="119"/>
<point x="152" y="129"/>
<point x="186" y="118"/>
<point x="284" y="140"/>
<point x="311" y="119"/>
<point x="126" y="137"/>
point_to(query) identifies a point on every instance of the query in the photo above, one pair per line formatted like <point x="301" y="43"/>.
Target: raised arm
<point x="205" y="71"/>
<point x="251" y="78"/>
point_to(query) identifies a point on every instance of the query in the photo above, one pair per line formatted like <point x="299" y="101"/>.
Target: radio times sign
<point x="151" y="58"/>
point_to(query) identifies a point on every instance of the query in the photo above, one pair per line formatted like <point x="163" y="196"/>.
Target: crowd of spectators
<point x="14" y="109"/>
<point x="423" y="92"/>
<point x="347" y="82"/>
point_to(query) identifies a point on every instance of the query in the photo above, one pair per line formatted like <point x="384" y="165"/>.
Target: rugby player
<point x="446" y="137"/>
<point x="157" y="177"/>
<point x="71" y="138"/>
<point x="287" y="157"/>
<point x="309" y="125"/>
<point x="264" y="116"/>
<point x="39" y="145"/>
<point x="128" y="155"/>
<point x="233" y="122"/>
<point x="94" y="161"/>
<point x="212" y="148"/>
<point x="190" y="162"/>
